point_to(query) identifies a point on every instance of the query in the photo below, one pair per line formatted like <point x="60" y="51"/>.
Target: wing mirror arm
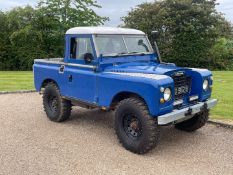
<point x="155" y="35"/>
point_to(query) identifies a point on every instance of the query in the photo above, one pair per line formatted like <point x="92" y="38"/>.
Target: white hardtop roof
<point x="104" y="30"/>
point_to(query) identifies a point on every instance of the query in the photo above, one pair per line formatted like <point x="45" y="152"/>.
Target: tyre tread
<point x="66" y="105"/>
<point x="150" y="122"/>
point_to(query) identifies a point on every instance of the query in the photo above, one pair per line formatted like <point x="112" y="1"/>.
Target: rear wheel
<point x="137" y="131"/>
<point x="56" y="108"/>
<point x="196" y="122"/>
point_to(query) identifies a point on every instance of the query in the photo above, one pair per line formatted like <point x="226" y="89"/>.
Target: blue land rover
<point x="118" y="69"/>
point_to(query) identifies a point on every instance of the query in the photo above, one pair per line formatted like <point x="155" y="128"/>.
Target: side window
<point x="79" y="47"/>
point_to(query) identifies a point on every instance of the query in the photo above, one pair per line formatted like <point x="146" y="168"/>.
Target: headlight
<point x="167" y="94"/>
<point x="205" y="85"/>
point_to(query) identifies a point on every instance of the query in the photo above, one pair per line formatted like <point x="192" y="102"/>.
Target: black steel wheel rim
<point x="53" y="103"/>
<point x="132" y="126"/>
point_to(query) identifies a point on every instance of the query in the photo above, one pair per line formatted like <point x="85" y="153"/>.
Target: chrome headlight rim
<point x="167" y="94"/>
<point x="205" y="85"/>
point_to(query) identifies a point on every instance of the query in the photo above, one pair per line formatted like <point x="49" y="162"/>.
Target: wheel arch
<point x="46" y="81"/>
<point x="124" y="95"/>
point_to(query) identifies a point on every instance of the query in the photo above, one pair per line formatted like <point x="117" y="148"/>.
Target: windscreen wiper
<point x="137" y="53"/>
<point x="132" y="54"/>
<point x="125" y="54"/>
<point x="121" y="54"/>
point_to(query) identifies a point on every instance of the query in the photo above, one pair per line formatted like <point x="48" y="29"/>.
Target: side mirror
<point x="88" y="57"/>
<point x="155" y="33"/>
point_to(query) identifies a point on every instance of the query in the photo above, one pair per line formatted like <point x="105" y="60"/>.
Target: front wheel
<point x="137" y="131"/>
<point x="56" y="108"/>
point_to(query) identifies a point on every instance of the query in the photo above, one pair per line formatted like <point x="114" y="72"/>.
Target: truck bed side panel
<point x="43" y="71"/>
<point x="82" y="86"/>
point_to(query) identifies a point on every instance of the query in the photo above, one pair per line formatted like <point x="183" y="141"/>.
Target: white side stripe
<point x="141" y="75"/>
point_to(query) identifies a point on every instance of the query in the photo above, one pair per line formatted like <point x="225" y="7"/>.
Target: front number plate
<point x="181" y="90"/>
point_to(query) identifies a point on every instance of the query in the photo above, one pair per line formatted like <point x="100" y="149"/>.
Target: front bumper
<point x="177" y="116"/>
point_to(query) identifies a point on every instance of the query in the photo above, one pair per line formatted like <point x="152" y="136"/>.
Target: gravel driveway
<point x="86" y="144"/>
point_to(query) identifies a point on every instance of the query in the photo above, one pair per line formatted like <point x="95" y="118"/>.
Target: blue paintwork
<point x="100" y="86"/>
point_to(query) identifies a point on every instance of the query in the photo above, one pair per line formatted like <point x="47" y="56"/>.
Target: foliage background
<point x="27" y="33"/>
<point x="192" y="32"/>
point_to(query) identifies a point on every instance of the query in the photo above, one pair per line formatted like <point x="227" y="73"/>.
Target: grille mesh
<point x="182" y="85"/>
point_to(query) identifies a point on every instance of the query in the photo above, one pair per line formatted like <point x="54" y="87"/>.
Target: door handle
<point x="70" y="78"/>
<point x="61" y="69"/>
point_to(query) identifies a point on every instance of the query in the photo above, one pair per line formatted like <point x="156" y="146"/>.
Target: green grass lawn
<point x="223" y="89"/>
<point x="13" y="81"/>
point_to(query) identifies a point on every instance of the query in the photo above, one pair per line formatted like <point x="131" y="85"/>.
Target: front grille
<point x="182" y="85"/>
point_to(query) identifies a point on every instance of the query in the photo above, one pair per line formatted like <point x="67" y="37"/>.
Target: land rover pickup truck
<point x="118" y="69"/>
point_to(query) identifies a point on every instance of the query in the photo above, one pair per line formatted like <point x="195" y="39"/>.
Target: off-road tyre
<point x="195" y="123"/>
<point x="56" y="108"/>
<point x="148" y="133"/>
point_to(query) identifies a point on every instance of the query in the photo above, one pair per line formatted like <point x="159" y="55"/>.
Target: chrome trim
<point x="123" y="37"/>
<point x="80" y="65"/>
<point x="65" y="64"/>
<point x="178" y="102"/>
<point x="192" y="98"/>
<point x="127" y="54"/>
<point x="95" y="45"/>
<point x="48" y="61"/>
<point x="179" y="73"/>
<point x="181" y="115"/>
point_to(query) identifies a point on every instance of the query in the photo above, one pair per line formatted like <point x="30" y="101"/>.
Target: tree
<point x="4" y="41"/>
<point x="54" y="17"/>
<point x="25" y="40"/>
<point x="222" y="54"/>
<point x="28" y="33"/>
<point x="188" y="28"/>
<point x="72" y="12"/>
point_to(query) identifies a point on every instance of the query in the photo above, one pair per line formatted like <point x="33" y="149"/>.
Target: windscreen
<point x="122" y="44"/>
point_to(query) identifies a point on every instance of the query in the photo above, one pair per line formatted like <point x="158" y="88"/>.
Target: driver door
<point x="80" y="76"/>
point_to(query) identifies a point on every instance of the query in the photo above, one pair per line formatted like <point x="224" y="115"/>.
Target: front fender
<point x="146" y="86"/>
<point x="198" y="76"/>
